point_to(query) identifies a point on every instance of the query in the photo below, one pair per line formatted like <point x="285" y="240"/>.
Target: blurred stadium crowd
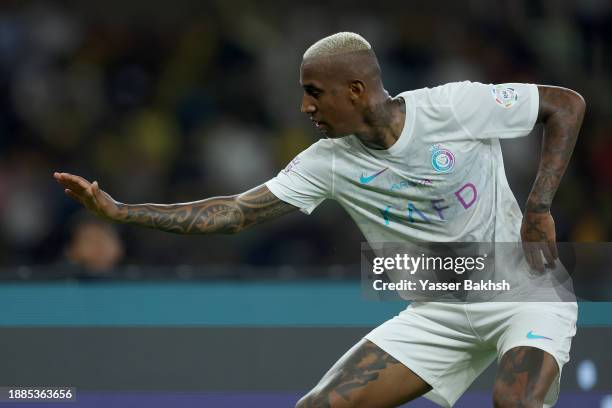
<point x="169" y="102"/>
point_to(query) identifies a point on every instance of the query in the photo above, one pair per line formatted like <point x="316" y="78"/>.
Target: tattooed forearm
<point x="562" y="112"/>
<point x="219" y="214"/>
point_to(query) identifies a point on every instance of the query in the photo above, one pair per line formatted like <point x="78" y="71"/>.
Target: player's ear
<point x="356" y="90"/>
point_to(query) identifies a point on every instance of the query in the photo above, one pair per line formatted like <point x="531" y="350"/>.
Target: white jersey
<point x="442" y="181"/>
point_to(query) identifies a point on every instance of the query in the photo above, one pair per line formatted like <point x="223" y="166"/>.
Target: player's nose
<point x="307" y="106"/>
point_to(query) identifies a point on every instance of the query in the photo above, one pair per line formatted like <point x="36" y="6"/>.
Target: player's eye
<point x="313" y="92"/>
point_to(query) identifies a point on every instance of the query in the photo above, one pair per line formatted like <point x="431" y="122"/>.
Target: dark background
<point x="178" y="101"/>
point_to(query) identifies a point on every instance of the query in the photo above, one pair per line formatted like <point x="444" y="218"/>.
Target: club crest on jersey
<point x="504" y="95"/>
<point x="442" y="160"/>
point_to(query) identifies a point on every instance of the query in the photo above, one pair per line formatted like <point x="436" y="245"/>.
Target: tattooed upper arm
<point x="259" y="205"/>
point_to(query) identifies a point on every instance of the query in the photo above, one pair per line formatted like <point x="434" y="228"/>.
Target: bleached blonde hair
<point x="335" y="44"/>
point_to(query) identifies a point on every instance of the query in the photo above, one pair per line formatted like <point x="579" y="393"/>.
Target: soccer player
<point x="440" y="140"/>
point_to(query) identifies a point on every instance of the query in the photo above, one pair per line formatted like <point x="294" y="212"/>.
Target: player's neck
<point x="383" y="123"/>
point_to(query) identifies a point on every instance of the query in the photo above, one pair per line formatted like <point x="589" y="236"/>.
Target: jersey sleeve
<point x="307" y="179"/>
<point x="488" y="111"/>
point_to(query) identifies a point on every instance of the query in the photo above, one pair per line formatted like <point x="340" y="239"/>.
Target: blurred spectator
<point x="95" y="247"/>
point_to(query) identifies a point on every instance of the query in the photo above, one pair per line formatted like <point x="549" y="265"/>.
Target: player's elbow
<point x="560" y="104"/>
<point x="572" y="105"/>
<point x="577" y="104"/>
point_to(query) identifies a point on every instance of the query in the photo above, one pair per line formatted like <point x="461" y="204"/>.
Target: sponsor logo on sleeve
<point x="504" y="96"/>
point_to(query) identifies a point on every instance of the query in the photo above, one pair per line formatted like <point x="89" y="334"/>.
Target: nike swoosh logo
<point x="366" y="179"/>
<point x="530" y="335"/>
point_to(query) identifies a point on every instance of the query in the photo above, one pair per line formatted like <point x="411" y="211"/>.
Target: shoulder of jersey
<point x="340" y="143"/>
<point x="322" y="147"/>
<point x="438" y="95"/>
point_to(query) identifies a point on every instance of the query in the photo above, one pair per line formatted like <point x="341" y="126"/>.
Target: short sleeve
<point x="488" y="111"/>
<point x="307" y="180"/>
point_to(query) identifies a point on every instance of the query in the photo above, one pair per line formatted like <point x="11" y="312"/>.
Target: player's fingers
<point x="527" y="253"/>
<point x="75" y="181"/>
<point x="536" y="256"/>
<point x="70" y="183"/>
<point x="75" y="197"/>
<point x="550" y="259"/>
<point x="533" y="256"/>
<point x="59" y="177"/>
<point x="81" y="181"/>
<point x="553" y="249"/>
<point x="85" y="196"/>
<point x="62" y="176"/>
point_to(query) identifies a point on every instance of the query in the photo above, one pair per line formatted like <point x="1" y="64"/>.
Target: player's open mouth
<point x="319" y="125"/>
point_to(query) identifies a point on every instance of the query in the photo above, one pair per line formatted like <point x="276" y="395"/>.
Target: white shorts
<point x="449" y="344"/>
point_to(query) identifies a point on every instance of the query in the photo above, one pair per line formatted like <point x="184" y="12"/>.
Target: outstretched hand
<point x="538" y="237"/>
<point x="90" y="195"/>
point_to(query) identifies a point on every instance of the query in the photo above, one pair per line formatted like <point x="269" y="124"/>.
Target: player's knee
<point x="507" y="398"/>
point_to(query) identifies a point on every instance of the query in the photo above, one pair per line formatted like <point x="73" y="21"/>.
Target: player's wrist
<point x="121" y="214"/>
<point x="537" y="207"/>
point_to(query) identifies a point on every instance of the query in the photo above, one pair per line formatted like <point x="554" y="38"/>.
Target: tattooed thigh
<point x="523" y="378"/>
<point x="365" y="376"/>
